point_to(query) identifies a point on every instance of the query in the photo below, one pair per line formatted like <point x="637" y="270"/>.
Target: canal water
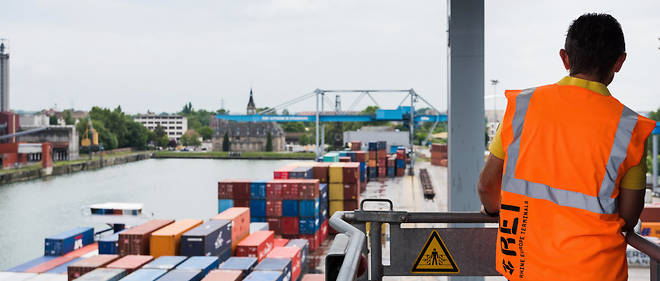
<point x="169" y="188"/>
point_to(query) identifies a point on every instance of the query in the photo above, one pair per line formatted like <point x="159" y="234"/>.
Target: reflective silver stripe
<point x="602" y="204"/>
<point x="618" y="152"/>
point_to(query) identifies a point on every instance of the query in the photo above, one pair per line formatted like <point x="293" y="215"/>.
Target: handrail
<point x="645" y="246"/>
<point x="355" y="245"/>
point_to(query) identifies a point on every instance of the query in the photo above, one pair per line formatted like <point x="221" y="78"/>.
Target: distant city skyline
<point x="160" y="55"/>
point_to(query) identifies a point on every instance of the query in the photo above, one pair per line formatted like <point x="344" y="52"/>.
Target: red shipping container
<point x="320" y="170"/>
<point x="290" y="190"/>
<point x="401" y="154"/>
<point x="372" y="155"/>
<point x="46" y="266"/>
<point x="274" y="224"/>
<point x="225" y="190"/>
<point x="650" y="213"/>
<point x="344" y="159"/>
<point x="351" y="172"/>
<point x="290" y="225"/>
<point x="240" y="223"/>
<point x="382" y="154"/>
<point x="323" y="231"/>
<point x="283" y="173"/>
<point x="226" y="275"/>
<point x="351" y="191"/>
<point x="234" y="189"/>
<point x="274" y="190"/>
<point x="280" y="242"/>
<point x="130" y="262"/>
<point x="312" y="277"/>
<point x="135" y="240"/>
<point x="356" y="145"/>
<point x="83" y="266"/>
<point x="351" y="205"/>
<point x="256" y="245"/>
<point x="361" y="156"/>
<point x="400" y="172"/>
<point x="292" y="253"/>
<point x="382" y="172"/>
<point x="312" y="240"/>
<point x="436" y="147"/>
<point x="241" y="203"/>
<point x="273" y="208"/>
<point x="308" y="189"/>
<point x="381" y="163"/>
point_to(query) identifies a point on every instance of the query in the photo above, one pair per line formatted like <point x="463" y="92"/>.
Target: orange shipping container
<point x="165" y="241"/>
<point x="130" y="263"/>
<point x="651" y="229"/>
<point x="240" y="223"/>
<point x="135" y="240"/>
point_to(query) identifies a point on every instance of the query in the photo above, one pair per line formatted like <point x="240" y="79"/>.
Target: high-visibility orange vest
<point x="567" y="149"/>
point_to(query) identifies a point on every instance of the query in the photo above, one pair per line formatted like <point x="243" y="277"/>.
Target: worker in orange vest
<point x="566" y="172"/>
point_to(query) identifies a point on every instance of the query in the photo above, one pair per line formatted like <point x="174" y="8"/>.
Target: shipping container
<point x="43" y="277"/>
<point x="313" y="277"/>
<point x="265" y="276"/>
<point x="224" y="275"/>
<point x="83" y="266"/>
<point x="351" y="205"/>
<point x="242" y="264"/>
<point x="290" y="208"/>
<point x="283" y="173"/>
<point x="650" y="213"/>
<point x="280" y="242"/>
<point x="335" y="206"/>
<point x="282" y="265"/>
<point x="309" y="208"/>
<point x="292" y="253"/>
<point x="351" y="191"/>
<point x="51" y="264"/>
<point x="331" y="157"/>
<point x="303" y="244"/>
<point x="103" y="274"/>
<point x="309" y="225"/>
<point x="62" y="268"/>
<point x="275" y="224"/>
<point x="109" y="244"/>
<point x="258" y="226"/>
<point x="274" y="190"/>
<point x="182" y="275"/>
<point x="344" y="159"/>
<point x="68" y="241"/>
<point x="356" y="145"/>
<point x="30" y="264"/>
<point x="257" y="208"/>
<point x="135" y="240"/>
<point x="373" y="146"/>
<point x="145" y="274"/>
<point x="290" y="225"/>
<point x="234" y="189"/>
<point x="274" y="208"/>
<point x="130" y="263"/>
<point x="240" y="223"/>
<point x="165" y="262"/>
<point x="258" y="245"/>
<point x="167" y="240"/>
<point x="290" y="189"/>
<point x="382" y="145"/>
<point x="258" y="190"/>
<point x="320" y="171"/>
<point x="203" y="264"/>
<point x="301" y="173"/>
<point x="209" y="239"/>
<point x="308" y="189"/>
<point x="336" y="173"/>
<point x="437" y="147"/>
<point x="351" y="172"/>
<point x="224" y="204"/>
<point x="323" y="193"/>
<point x="241" y="203"/>
<point x="361" y="156"/>
<point x="336" y="191"/>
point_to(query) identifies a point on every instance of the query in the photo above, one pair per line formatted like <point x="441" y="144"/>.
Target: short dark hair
<point x="593" y="43"/>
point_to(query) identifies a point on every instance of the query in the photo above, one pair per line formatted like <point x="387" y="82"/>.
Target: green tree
<point x="163" y="141"/>
<point x="125" y="132"/>
<point x="190" y="138"/>
<point x="226" y="144"/>
<point x="159" y="131"/>
<point x="68" y="118"/>
<point x="187" y="108"/>
<point x="269" y="142"/>
<point x="52" y="120"/>
<point x="206" y="132"/>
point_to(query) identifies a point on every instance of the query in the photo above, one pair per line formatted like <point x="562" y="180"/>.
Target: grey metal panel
<point x="466" y="103"/>
<point x="473" y="249"/>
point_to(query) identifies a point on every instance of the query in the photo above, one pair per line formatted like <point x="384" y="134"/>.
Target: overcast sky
<point x="159" y="54"/>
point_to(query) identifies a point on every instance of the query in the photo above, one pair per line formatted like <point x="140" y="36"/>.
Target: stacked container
<point x="381" y="160"/>
<point x="400" y="162"/>
<point x="109" y="245"/>
<point x="200" y="264"/>
<point x="240" y="223"/>
<point x="356" y="146"/>
<point x="372" y="162"/>
<point x="282" y="265"/>
<point x="135" y="240"/>
<point x="145" y="275"/>
<point x="81" y="267"/>
<point x="165" y="262"/>
<point x="344" y="187"/>
<point x="439" y="154"/>
<point x="243" y="264"/>
<point x="236" y="190"/>
<point x="292" y="253"/>
<point x="68" y="241"/>
<point x="166" y="241"/>
<point x="213" y="238"/>
<point x="130" y="263"/>
<point x="223" y="275"/>
<point x="103" y="274"/>
<point x="256" y="245"/>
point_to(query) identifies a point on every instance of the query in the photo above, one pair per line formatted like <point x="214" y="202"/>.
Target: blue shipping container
<point x="309" y="208"/>
<point x="30" y="264"/>
<point x="145" y="274"/>
<point x="373" y="146"/>
<point x="257" y="219"/>
<point x="182" y="275"/>
<point x="258" y="208"/>
<point x="224" y="204"/>
<point x="400" y="163"/>
<point x="290" y="208"/>
<point x="109" y="244"/>
<point x="258" y="190"/>
<point x="264" y="276"/>
<point x="205" y="264"/>
<point x="309" y="225"/>
<point x="62" y="268"/>
<point x="303" y="244"/>
<point x="391" y="172"/>
<point x="323" y="191"/>
<point x="68" y="241"/>
<point x="208" y="239"/>
<point x="165" y="262"/>
<point x="282" y="265"/>
<point x="244" y="264"/>
<point x="224" y="256"/>
<point x="382" y="145"/>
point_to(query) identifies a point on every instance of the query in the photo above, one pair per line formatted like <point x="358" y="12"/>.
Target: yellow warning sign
<point x="434" y="257"/>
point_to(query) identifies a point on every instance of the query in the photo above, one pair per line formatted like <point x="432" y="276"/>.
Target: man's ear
<point x="619" y="62"/>
<point x="564" y="58"/>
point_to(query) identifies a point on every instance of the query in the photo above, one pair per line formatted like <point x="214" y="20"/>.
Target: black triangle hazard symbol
<point x="434" y="257"/>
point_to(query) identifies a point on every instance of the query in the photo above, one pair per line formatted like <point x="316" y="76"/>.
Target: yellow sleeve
<point x="495" y="146"/>
<point x="635" y="178"/>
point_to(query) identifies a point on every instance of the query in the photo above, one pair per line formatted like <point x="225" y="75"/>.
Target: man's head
<point x="594" y="47"/>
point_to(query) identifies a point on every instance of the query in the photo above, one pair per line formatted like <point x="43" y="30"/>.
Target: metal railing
<point x="474" y="246"/>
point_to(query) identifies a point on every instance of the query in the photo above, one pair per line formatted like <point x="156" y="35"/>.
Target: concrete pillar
<point x="46" y="159"/>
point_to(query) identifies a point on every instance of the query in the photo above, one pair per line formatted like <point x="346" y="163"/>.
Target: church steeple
<point x="251" y="109"/>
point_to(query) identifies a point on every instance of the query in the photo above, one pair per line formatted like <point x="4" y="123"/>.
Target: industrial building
<point x="174" y="125"/>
